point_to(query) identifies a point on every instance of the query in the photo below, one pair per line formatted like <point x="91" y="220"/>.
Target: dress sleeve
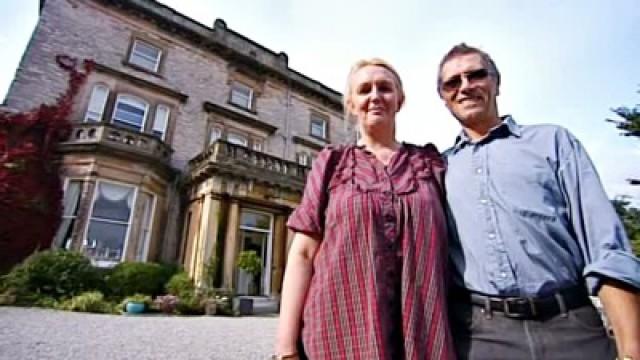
<point x="600" y="234"/>
<point x="308" y="217"/>
<point x="438" y="166"/>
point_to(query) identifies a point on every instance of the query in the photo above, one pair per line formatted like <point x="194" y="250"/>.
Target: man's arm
<point x="622" y="306"/>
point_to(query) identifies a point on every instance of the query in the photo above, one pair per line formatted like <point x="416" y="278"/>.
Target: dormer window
<point x="145" y="56"/>
<point x="241" y="95"/>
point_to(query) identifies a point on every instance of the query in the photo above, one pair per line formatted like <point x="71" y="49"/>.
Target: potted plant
<point x="166" y="303"/>
<point x="250" y="263"/>
<point x="136" y="304"/>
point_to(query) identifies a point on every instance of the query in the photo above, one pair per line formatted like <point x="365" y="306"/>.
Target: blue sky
<point x="562" y="62"/>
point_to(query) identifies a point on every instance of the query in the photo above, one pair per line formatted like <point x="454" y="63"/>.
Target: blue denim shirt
<point x="531" y="214"/>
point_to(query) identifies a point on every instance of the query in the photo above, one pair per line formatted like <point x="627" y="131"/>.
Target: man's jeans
<point x="579" y="334"/>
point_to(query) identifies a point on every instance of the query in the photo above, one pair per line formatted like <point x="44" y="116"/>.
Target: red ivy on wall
<point x="30" y="186"/>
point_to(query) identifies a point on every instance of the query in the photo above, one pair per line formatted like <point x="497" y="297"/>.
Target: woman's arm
<point x="296" y="282"/>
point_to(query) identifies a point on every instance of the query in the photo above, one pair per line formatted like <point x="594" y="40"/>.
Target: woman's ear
<point x="400" y="102"/>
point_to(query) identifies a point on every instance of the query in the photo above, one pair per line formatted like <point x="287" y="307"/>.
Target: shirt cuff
<point x="615" y="264"/>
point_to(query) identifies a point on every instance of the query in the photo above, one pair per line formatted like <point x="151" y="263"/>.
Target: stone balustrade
<point x="239" y="160"/>
<point x="90" y="135"/>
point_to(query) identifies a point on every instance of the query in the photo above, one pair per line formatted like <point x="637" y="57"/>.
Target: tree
<point x="630" y="217"/>
<point x="628" y="126"/>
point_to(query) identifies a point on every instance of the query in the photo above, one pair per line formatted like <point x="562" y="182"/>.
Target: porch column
<point x="208" y="234"/>
<point x="232" y="245"/>
<point x="279" y="254"/>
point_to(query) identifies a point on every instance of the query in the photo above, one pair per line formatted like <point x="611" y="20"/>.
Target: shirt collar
<point x="507" y="123"/>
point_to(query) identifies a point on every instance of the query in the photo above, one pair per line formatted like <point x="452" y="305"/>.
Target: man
<point x="535" y="233"/>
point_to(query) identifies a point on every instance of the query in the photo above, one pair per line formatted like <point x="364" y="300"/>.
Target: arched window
<point x="97" y="102"/>
<point x="130" y="112"/>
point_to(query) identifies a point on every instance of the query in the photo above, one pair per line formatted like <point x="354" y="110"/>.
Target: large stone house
<point x="189" y="143"/>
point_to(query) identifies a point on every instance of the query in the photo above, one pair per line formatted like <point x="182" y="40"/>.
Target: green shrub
<point x="211" y="270"/>
<point x="250" y="262"/>
<point x="190" y="305"/>
<point x="129" y="278"/>
<point x="54" y="273"/>
<point x="92" y="302"/>
<point x="181" y="285"/>
<point x="46" y="302"/>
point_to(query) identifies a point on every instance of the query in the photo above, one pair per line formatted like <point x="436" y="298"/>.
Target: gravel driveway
<point x="29" y="333"/>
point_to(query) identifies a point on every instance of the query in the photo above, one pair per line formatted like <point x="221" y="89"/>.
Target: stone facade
<point x="190" y="142"/>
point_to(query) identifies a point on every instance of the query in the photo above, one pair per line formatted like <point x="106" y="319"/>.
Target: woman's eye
<point x="364" y="89"/>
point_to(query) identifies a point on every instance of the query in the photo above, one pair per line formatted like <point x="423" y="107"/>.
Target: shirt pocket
<point x="531" y="192"/>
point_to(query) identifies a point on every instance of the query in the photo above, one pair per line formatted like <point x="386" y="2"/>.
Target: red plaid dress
<point x="378" y="286"/>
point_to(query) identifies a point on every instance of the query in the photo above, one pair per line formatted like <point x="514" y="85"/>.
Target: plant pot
<point x="210" y="307"/>
<point x="243" y="306"/>
<point x="133" y="307"/>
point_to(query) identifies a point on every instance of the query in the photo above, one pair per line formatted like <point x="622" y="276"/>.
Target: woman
<point x="365" y="276"/>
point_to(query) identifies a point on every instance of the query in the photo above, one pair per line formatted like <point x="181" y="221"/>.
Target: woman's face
<point x="375" y="95"/>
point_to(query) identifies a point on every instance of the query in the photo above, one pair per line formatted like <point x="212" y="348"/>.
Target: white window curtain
<point x="109" y="223"/>
<point x="97" y="102"/>
<point x="70" y="204"/>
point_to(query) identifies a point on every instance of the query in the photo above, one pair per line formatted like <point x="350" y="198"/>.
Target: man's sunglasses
<point x="455" y="81"/>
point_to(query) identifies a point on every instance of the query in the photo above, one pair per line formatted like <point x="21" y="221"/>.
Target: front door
<point x="256" y="235"/>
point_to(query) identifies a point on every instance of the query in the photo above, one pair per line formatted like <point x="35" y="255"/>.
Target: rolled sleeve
<point x="308" y="217"/>
<point x="604" y="245"/>
<point x="615" y="264"/>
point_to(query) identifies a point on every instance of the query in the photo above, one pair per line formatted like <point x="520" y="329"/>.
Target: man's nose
<point x="464" y="83"/>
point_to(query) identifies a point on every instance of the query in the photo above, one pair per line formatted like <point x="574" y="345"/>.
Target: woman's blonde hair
<point x="369" y="62"/>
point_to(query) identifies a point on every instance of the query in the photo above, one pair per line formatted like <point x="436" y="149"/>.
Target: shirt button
<point x="387" y="192"/>
<point x="389" y="217"/>
<point x="492" y="235"/>
<point x="484" y="201"/>
<point x="479" y="171"/>
<point x="503" y="274"/>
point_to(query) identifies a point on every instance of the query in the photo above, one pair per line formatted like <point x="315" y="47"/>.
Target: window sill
<point x="141" y="69"/>
<point x="240" y="107"/>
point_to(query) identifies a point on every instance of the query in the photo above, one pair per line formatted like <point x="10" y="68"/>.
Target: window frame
<point x="103" y="107"/>
<point x="125" y="244"/>
<point x="217" y="130"/>
<point x="237" y="86"/>
<point x="149" y="220"/>
<point x="120" y="98"/>
<point x="315" y="118"/>
<point x="300" y="156"/>
<point x="257" y="145"/>
<point x="268" y="250"/>
<point x="166" y="121"/>
<point x="238" y="135"/>
<point x="132" y="52"/>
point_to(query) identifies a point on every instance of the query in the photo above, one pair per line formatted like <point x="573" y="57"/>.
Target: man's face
<point x="469" y="90"/>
